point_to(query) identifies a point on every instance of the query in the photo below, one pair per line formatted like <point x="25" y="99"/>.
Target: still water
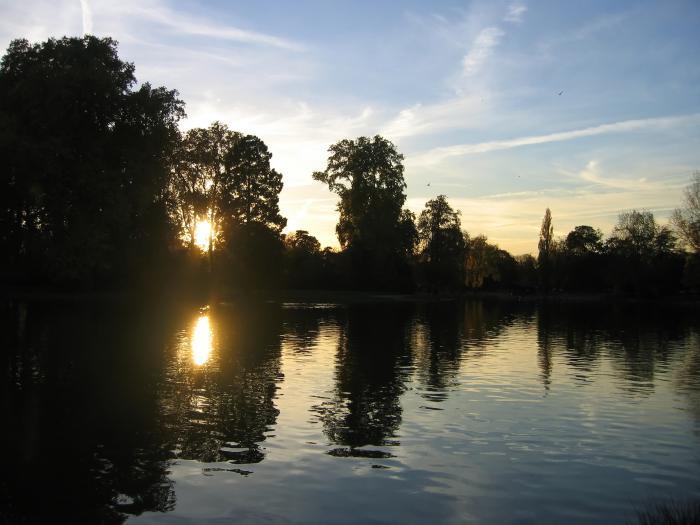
<point x="455" y="412"/>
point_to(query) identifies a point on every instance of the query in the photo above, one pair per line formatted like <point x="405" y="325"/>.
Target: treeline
<point x="102" y="190"/>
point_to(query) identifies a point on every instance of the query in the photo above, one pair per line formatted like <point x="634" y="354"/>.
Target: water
<point x="457" y="412"/>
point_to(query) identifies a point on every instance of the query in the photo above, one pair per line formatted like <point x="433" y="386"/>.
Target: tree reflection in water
<point x="99" y="399"/>
<point x="373" y="361"/>
<point x="76" y="411"/>
<point x="219" y="390"/>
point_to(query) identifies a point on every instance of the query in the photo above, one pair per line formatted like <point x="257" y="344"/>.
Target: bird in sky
<point x="560" y="93"/>
<point x="428" y="184"/>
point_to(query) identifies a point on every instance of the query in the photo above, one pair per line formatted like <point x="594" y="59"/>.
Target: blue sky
<point x="468" y="91"/>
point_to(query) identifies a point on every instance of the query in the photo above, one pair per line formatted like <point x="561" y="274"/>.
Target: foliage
<point x="304" y="260"/>
<point x="251" y="257"/>
<point x="367" y="175"/>
<point x="487" y="266"/>
<point x="642" y="255"/>
<point x="441" y="243"/>
<point x="250" y="189"/>
<point x="86" y="161"/>
<point x="100" y="188"/>
<point x="584" y="240"/>
<point x="686" y="220"/>
<point x="545" y="248"/>
<point x="225" y="177"/>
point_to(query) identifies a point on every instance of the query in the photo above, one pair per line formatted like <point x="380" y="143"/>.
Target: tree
<point x="686" y="220"/>
<point x="367" y="175"/>
<point x="441" y="242"/>
<point x="87" y="159"/>
<point x="643" y="255"/>
<point x="584" y="240"/>
<point x="250" y="191"/>
<point x="188" y="187"/>
<point x="487" y="265"/>
<point x="580" y="260"/>
<point x="304" y="259"/>
<point x="546" y="250"/>
<point x="635" y="233"/>
<point x="225" y="177"/>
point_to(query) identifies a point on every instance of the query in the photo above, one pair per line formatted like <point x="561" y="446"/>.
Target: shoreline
<point x="344" y="296"/>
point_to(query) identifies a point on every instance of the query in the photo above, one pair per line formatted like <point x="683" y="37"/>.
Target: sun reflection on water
<point x="201" y="340"/>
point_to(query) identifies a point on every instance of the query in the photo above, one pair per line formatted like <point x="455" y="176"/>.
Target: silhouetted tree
<point x="198" y="179"/>
<point x="487" y="266"/>
<point x="441" y="243"/>
<point x="686" y="220"/>
<point x="526" y="272"/>
<point x="304" y="260"/>
<point x="580" y="262"/>
<point x="251" y="218"/>
<point x="367" y="174"/>
<point x="250" y="190"/>
<point x="584" y="240"/>
<point x="225" y="177"/>
<point x="545" y="248"/>
<point x="86" y="161"/>
<point x="643" y="255"/>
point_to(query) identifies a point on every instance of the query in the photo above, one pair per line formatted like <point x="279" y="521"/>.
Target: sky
<point x="507" y="108"/>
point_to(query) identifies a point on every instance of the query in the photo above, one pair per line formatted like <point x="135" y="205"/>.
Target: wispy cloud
<point x="184" y="24"/>
<point x="586" y="31"/>
<point x="87" y="16"/>
<point x="515" y="13"/>
<point x="437" y="155"/>
<point x="422" y="119"/>
<point x="481" y="50"/>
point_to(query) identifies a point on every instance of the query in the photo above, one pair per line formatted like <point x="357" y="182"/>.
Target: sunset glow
<point x="201" y="235"/>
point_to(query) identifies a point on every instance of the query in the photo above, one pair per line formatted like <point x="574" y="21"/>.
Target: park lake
<point x="461" y="411"/>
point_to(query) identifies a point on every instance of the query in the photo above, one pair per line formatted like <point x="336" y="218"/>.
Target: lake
<point x="385" y="412"/>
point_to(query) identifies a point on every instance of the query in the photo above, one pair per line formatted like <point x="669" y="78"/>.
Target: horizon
<point x="507" y="108"/>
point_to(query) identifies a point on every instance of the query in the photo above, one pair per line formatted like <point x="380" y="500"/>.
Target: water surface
<point x="457" y="412"/>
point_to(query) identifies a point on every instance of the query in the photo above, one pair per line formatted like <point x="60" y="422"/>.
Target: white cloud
<point x="481" y="50"/>
<point x="419" y="119"/>
<point x="186" y="24"/>
<point x="515" y="13"/>
<point x="437" y="155"/>
<point x="87" y="16"/>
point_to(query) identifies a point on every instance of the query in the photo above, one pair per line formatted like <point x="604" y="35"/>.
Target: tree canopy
<point x="686" y="220"/>
<point x="225" y="177"/>
<point x="441" y="241"/>
<point x="367" y="175"/>
<point x="86" y="159"/>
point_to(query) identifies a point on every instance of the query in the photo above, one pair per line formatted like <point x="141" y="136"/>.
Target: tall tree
<point x="250" y="190"/>
<point x="86" y="159"/>
<point x="643" y="255"/>
<point x="545" y="248"/>
<point x="686" y="220"/>
<point x="367" y="175"/>
<point x="304" y="261"/>
<point x="224" y="177"/>
<point x="580" y="263"/>
<point x="583" y="240"/>
<point x="441" y="242"/>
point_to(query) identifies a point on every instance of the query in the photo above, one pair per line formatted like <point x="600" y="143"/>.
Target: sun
<point x="201" y="235"/>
